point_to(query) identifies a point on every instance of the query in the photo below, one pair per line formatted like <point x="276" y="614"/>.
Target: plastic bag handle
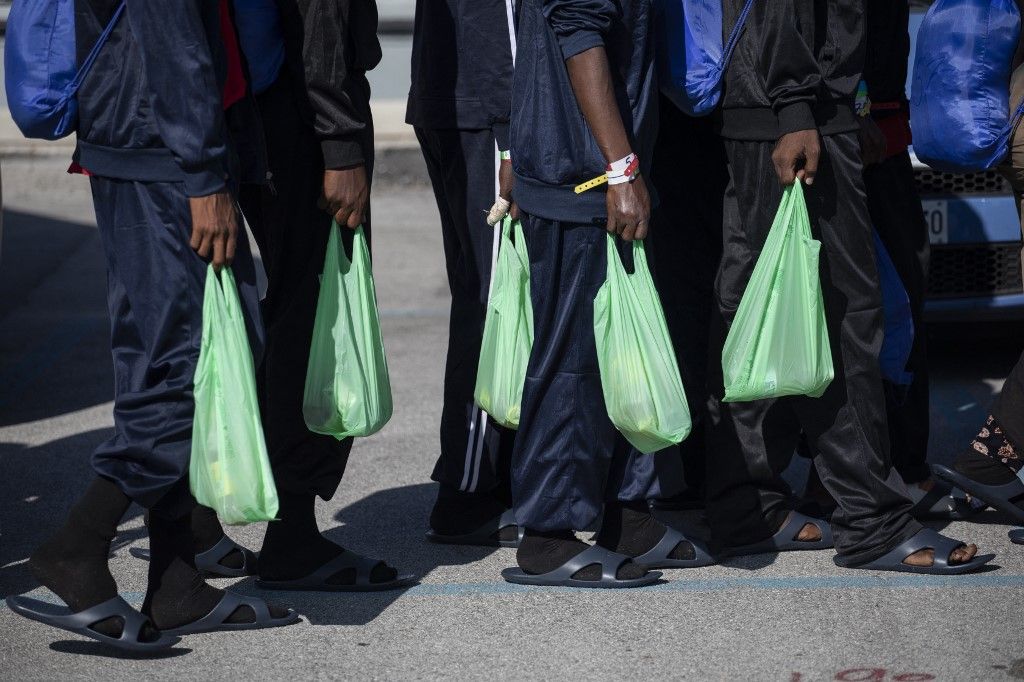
<point x="358" y="242"/>
<point x="639" y="258"/>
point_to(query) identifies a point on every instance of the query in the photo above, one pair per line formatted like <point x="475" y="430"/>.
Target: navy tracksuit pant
<point x="752" y="443"/>
<point x="569" y="459"/>
<point x="155" y="284"/>
<point x="475" y="452"/>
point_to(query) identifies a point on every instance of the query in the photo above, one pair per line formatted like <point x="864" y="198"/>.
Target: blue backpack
<point x="899" y="321"/>
<point x="41" y="69"/>
<point x="960" y="94"/>
<point x="691" y="56"/>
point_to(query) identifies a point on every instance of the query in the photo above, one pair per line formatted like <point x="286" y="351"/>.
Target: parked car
<point x="977" y="261"/>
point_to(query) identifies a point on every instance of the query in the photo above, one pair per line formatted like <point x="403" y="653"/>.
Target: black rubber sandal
<point x="1007" y="498"/>
<point x="59" y="616"/>
<point x="209" y="562"/>
<point x="1017" y="536"/>
<point x="785" y="539"/>
<point x="926" y="538"/>
<point x="609" y="561"/>
<point x="658" y="556"/>
<point x="317" y="581"/>
<point x="939" y="504"/>
<point x="217" y="619"/>
<point x="487" y="535"/>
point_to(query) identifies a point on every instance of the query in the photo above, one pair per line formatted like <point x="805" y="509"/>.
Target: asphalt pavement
<point x="790" y="617"/>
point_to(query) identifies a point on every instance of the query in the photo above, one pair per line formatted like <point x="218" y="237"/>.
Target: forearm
<point x="592" y="84"/>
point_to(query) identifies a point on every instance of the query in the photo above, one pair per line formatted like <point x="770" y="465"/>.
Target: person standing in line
<point x="788" y="116"/>
<point x="897" y="216"/>
<point x="459" y="104"/>
<point x="584" y="104"/>
<point x="153" y="137"/>
<point x="308" y="60"/>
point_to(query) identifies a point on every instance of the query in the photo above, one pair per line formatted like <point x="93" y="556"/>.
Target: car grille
<point x="936" y="182"/>
<point x="959" y="270"/>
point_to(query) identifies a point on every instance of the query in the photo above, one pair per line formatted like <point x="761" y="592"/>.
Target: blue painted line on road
<point x="726" y="584"/>
<point x="852" y="582"/>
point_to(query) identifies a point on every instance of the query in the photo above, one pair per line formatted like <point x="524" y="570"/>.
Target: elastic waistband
<point x="142" y="165"/>
<point x="560" y="202"/>
<point x="761" y="124"/>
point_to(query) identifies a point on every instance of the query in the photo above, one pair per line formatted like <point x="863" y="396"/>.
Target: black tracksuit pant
<point x="685" y="247"/>
<point x="895" y="209"/>
<point x="475" y="452"/>
<point x="155" y="285"/>
<point x="753" y="442"/>
<point x="292" y="231"/>
<point x="569" y="459"/>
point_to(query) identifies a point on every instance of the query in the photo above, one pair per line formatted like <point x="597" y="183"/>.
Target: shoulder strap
<point x="734" y="35"/>
<point x="83" y="70"/>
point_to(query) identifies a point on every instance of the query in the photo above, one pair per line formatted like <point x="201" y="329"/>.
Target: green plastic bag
<point x="778" y="343"/>
<point x="348" y="390"/>
<point x="508" y="331"/>
<point x="229" y="470"/>
<point x="639" y="372"/>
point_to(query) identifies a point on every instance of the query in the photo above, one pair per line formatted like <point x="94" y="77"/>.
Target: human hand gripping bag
<point x="778" y="343"/>
<point x="229" y="470"/>
<point x="348" y="389"/>
<point x="643" y="391"/>
<point x="508" y="331"/>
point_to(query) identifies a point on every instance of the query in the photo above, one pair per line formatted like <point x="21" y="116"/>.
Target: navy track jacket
<point x="462" y="66"/>
<point x="151" y="108"/>
<point x="553" y="149"/>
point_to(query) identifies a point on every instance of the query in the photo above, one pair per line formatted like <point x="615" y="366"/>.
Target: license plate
<point x="936" y="216"/>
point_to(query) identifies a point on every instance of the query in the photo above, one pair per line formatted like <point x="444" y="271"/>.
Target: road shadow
<point x="403" y="545"/>
<point x="38" y="486"/>
<point x="79" y="647"/>
<point x="54" y="330"/>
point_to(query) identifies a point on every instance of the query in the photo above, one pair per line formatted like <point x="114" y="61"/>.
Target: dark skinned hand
<point x="796" y="156"/>
<point x="629" y="209"/>
<point x="346" y="195"/>
<point x="214" y="227"/>
<point x="505" y="181"/>
<point x="872" y="142"/>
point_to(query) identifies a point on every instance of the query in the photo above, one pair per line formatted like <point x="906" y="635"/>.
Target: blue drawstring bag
<point x="691" y="56"/>
<point x="41" y="70"/>
<point x="959" y="102"/>
<point x="899" y="322"/>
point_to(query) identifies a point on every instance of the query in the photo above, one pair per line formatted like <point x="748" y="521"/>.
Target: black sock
<point x="73" y="564"/>
<point x="982" y="468"/>
<point x="629" y="528"/>
<point x="459" y="513"/>
<point x="207" y="532"/>
<point x="542" y="552"/>
<point x="177" y="594"/>
<point x="992" y="459"/>
<point x="294" y="548"/>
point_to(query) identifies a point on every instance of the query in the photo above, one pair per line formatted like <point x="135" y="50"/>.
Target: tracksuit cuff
<point x="207" y="180"/>
<point x="579" y="41"/>
<point x="794" y="117"/>
<point x="501" y="136"/>
<point x="342" y="153"/>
